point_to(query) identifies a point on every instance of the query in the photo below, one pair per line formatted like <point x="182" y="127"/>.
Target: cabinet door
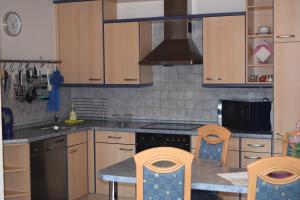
<point x="77" y="171"/>
<point x="233" y="159"/>
<point x="287" y="20"/>
<point x="121" y="42"/>
<point x="109" y="154"/>
<point x="224" y="50"/>
<point x="286" y="87"/>
<point x="250" y="157"/>
<point x="80" y="41"/>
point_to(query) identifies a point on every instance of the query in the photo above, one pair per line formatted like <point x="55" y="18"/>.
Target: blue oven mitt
<point x="56" y="79"/>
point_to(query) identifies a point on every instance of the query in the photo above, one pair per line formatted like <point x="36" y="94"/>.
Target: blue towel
<point x="56" y="79"/>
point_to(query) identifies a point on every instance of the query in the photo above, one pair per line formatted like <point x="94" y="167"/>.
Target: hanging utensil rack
<point x="26" y="77"/>
<point x="31" y="61"/>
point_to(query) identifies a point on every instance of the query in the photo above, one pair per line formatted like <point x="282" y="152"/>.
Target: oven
<point x="147" y="140"/>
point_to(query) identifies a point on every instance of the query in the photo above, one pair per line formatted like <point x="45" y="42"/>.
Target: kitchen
<point x="176" y="95"/>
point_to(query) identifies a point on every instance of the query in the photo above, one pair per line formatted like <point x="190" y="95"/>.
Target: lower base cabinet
<point x="77" y="165"/>
<point x="107" y="154"/>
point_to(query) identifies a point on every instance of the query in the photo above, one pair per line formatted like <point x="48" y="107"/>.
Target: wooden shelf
<point x="260" y="36"/>
<point x="10" y="169"/>
<point x="13" y="194"/>
<point x="261" y="7"/>
<point x="260" y="65"/>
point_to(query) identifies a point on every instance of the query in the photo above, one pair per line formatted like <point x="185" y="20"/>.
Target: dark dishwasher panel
<point x="49" y="175"/>
<point x="150" y="140"/>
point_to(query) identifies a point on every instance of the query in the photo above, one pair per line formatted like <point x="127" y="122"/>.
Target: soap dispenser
<point x="73" y="115"/>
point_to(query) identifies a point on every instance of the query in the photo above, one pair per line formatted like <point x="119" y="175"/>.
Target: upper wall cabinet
<point x="80" y="32"/>
<point x="124" y="46"/>
<point x="224" y="50"/>
<point x="287" y="20"/>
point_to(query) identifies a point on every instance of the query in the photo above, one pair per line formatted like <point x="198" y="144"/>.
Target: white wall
<point x="37" y="37"/>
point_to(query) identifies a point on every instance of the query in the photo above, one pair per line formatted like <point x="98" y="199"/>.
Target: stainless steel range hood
<point x="176" y="49"/>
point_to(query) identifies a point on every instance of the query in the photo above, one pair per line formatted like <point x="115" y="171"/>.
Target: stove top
<point x="172" y="126"/>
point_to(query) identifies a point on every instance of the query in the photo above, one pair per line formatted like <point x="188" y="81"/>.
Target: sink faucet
<point x="55" y="120"/>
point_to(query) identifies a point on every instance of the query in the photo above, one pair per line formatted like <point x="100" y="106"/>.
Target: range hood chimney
<point x="176" y="49"/>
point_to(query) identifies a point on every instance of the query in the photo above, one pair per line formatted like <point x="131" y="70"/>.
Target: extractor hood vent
<point x="176" y="49"/>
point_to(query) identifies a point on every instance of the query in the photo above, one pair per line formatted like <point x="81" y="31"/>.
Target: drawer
<point x="234" y="144"/>
<point x="256" y="145"/>
<point x="77" y="138"/>
<point x="250" y="157"/>
<point x="115" y="137"/>
<point x="277" y="146"/>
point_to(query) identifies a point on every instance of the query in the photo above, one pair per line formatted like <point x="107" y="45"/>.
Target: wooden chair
<point x="163" y="173"/>
<point x="213" y="143"/>
<point x="286" y="148"/>
<point x="274" y="178"/>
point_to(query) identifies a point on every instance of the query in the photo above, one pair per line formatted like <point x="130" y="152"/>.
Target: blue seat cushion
<point x="163" y="186"/>
<point x="266" y="190"/>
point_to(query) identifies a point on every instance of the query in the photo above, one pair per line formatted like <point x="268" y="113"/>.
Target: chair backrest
<point x="163" y="173"/>
<point x="212" y="143"/>
<point x="286" y="147"/>
<point x="274" y="178"/>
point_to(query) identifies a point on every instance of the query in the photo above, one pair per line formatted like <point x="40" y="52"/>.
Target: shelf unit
<point x="16" y="172"/>
<point x="259" y="13"/>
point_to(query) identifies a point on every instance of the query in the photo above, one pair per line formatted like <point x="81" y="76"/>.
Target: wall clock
<point x="12" y="24"/>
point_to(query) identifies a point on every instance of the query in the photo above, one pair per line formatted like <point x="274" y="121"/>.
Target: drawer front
<point x="115" y="137"/>
<point x="77" y="138"/>
<point x="234" y="144"/>
<point x="256" y="145"/>
<point x="250" y="157"/>
<point x="277" y="146"/>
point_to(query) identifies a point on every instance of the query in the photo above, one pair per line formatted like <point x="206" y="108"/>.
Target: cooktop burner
<point x="172" y="126"/>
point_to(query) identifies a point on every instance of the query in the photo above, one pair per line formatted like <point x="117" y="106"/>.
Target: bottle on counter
<point x="73" y="115"/>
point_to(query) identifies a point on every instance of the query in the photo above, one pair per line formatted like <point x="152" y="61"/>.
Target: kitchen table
<point x="204" y="176"/>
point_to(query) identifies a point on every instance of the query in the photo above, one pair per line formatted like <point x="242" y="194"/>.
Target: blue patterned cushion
<point x="211" y="151"/>
<point x="164" y="186"/>
<point x="277" y="192"/>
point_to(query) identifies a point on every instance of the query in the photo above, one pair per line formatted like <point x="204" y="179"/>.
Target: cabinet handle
<point x="116" y="138"/>
<point x="95" y="79"/>
<point x="130" y="79"/>
<point x="123" y="149"/>
<point x="252" y="157"/>
<point x="213" y="79"/>
<point x="279" y="134"/>
<point x="256" y="145"/>
<point x="286" y="36"/>
<point x="73" y="151"/>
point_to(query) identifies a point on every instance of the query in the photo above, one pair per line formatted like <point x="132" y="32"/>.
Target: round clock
<point x="12" y="23"/>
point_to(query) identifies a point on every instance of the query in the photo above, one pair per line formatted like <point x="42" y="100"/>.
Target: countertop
<point x="33" y="134"/>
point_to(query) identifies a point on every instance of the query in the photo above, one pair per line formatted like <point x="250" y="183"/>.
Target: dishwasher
<point x="49" y="173"/>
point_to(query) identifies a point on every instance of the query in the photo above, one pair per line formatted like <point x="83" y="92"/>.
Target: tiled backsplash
<point x="177" y="94"/>
<point x="36" y="111"/>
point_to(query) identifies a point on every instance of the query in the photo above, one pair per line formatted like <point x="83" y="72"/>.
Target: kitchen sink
<point x="56" y="128"/>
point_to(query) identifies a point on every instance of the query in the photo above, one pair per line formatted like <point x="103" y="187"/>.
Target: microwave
<point x="246" y="115"/>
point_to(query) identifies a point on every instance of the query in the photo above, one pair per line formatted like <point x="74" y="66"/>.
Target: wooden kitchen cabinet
<point x="107" y="154"/>
<point x="124" y="44"/>
<point x="224" y="50"/>
<point x="80" y="41"/>
<point x="286" y="20"/>
<point x="16" y="160"/>
<point x="286" y="88"/>
<point x="77" y="165"/>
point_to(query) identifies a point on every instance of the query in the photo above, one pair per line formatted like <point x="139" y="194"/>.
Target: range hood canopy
<point x="176" y="49"/>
